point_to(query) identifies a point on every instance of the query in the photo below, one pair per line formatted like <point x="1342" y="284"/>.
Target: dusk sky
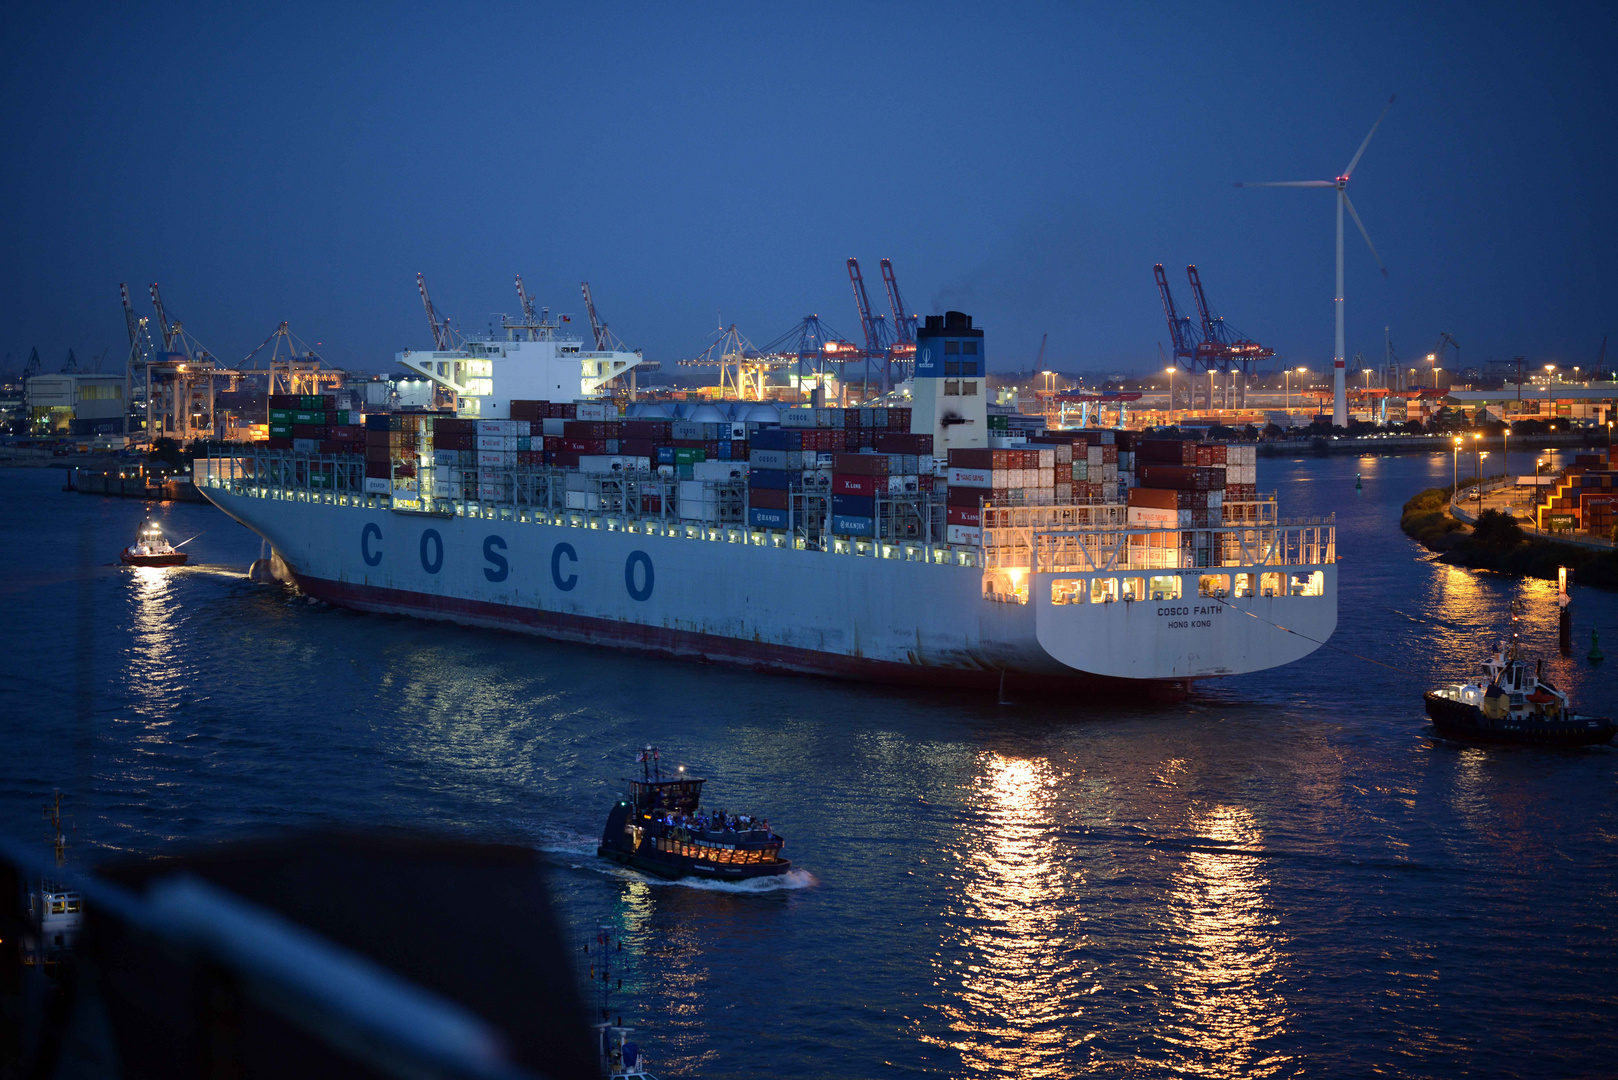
<point x="1024" y="163"/>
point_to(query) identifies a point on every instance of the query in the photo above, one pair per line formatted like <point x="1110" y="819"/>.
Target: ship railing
<point x="634" y="502"/>
<point x="1300" y="542"/>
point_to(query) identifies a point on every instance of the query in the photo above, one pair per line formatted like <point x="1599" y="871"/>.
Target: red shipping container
<point x="852" y="484"/>
<point x="1109" y="455"/>
<point x="963" y="496"/>
<point x="769" y="498"/>
<point x="860" y="464"/>
<point x="1166" y="451"/>
<point x="651" y="430"/>
<point x="565" y="459"/>
<point x="964" y="515"/>
<point x="379" y="469"/>
<point x="582" y="446"/>
<point x="637" y="447"/>
<point x="981" y="458"/>
<point x="896" y="442"/>
<point x="899" y="419"/>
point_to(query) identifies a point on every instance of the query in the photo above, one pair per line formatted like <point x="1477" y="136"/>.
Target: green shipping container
<point x="280" y="416"/>
<point x="688" y="455"/>
<point x="320" y="480"/>
<point x="318" y="419"/>
<point x="280" y="431"/>
<point x="311" y="402"/>
<point x="340" y="417"/>
<point x="999" y="422"/>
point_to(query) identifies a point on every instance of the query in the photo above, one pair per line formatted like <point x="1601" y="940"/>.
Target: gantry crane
<point x="1181" y="332"/>
<point x="1223" y="349"/>
<point x="878" y="336"/>
<point x="904" y="322"/>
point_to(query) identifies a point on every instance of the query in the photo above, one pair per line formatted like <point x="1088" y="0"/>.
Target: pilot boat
<point x="657" y="827"/>
<point x="1510" y="704"/>
<point x="151" y="548"/>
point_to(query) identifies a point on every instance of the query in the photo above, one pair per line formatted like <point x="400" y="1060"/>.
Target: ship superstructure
<point x="828" y="541"/>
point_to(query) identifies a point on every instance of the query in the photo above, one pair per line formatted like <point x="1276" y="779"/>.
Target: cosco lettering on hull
<point x="640" y="575"/>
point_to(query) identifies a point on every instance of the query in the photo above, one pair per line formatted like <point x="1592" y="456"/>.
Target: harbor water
<point x="1284" y="874"/>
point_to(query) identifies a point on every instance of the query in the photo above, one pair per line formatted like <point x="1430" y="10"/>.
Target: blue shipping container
<point x="851" y="525"/>
<point x="775" y="479"/>
<point x="863" y="506"/>
<point x="776" y="439"/>
<point x="665" y="455"/>
<point x="763" y="517"/>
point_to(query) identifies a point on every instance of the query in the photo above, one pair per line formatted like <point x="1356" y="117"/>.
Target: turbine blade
<point x="1286" y="183"/>
<point x="1356" y="216"/>
<point x="1350" y="170"/>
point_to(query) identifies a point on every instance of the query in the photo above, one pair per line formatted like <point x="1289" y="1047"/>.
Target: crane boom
<point x="1202" y="303"/>
<point x="131" y="320"/>
<point x="904" y="323"/>
<point x="873" y="337"/>
<point x="596" y="326"/>
<point x="440" y="330"/>
<point x="162" y="319"/>
<point x="1179" y="326"/>
<point x="527" y="310"/>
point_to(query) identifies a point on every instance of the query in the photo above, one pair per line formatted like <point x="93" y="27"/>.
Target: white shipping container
<point x="1093" y="455"/>
<point x="797" y="418"/>
<point x="1152" y="517"/>
<point x="825" y="418"/>
<point x="1047" y="458"/>
<point x="583" y="500"/>
<point x="961" y="476"/>
<point x="692" y="489"/>
<point x="698" y="510"/>
<point x="597" y="413"/>
<point x="491" y="442"/>
<point x="1047" y="476"/>
<point x="552" y="426"/>
<point x="605" y="463"/>
<point x="495" y="459"/>
<point x="718" y="470"/>
<point x="378" y="485"/>
<point x="964" y="534"/>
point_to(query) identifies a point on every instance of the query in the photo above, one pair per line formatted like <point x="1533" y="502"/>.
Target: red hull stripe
<point x="686" y="644"/>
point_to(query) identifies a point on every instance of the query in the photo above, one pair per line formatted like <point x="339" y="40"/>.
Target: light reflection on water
<point x="1223" y="943"/>
<point x="1006" y="969"/>
<point x="989" y="895"/>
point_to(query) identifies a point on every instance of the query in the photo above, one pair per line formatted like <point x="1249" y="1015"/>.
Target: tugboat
<point x="55" y="911"/>
<point x="657" y="828"/>
<point x="1509" y="705"/>
<point x="152" y="549"/>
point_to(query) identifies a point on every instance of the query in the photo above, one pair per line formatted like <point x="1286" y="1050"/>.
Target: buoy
<point x="1357" y="484"/>
<point x="1595" y="656"/>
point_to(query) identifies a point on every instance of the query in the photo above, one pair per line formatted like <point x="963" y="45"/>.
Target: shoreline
<point x="1426" y="519"/>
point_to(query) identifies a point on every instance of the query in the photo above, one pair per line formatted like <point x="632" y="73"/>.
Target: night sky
<point x="1025" y="163"/>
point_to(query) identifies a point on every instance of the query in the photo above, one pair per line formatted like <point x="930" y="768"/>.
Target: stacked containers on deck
<point x="313" y="424"/>
<point x="775" y="473"/>
<point x="1000" y="474"/>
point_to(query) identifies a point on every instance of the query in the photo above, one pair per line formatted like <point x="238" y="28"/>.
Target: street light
<point x="1455" y="471"/>
<point x="1505" y="452"/>
<point x="1477" y="462"/>
<point x="1171" y="393"/>
<point x="1286" y="378"/>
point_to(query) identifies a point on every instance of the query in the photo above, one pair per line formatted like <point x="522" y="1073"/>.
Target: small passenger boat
<point x="657" y="827"/>
<point x="152" y="549"/>
<point x="1511" y="705"/>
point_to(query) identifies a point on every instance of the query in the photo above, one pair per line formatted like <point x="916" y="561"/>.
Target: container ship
<point x="921" y="544"/>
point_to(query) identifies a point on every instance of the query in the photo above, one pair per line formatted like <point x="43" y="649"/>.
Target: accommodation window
<point x="1103" y="590"/>
<point x="952" y="348"/>
<point x="1246" y="584"/>
<point x="1134" y="588"/>
<point x="1213" y="585"/>
<point x="1164" y="587"/>
<point x="1067" y="591"/>
<point x="1309" y="584"/>
<point x="952" y="367"/>
<point x="970" y="348"/>
<point x="969" y="388"/>
<point x="1273" y="584"/>
<point x="952" y="388"/>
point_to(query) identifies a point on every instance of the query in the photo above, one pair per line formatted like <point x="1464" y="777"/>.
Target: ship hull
<point x="1467" y="723"/>
<point x="674" y="867"/>
<point x="769" y="607"/>
<point x="176" y="558"/>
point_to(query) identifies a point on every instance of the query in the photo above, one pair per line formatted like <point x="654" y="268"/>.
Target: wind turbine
<point x="1339" y="411"/>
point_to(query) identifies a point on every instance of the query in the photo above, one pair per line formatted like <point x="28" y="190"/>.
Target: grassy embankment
<point x="1499" y="544"/>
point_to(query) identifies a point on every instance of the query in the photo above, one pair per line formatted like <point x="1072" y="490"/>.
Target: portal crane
<point x="31" y="368"/>
<point x="71" y="364"/>
<point x="441" y="335"/>
<point x="1223" y="349"/>
<point x="1444" y="342"/>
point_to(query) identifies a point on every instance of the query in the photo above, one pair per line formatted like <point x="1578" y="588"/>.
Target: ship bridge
<point x="486" y="376"/>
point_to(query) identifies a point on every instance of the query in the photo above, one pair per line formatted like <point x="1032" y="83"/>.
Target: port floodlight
<point x="1169" y="371"/>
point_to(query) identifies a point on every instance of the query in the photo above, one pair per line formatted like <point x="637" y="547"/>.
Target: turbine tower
<point x="1339" y="411"/>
